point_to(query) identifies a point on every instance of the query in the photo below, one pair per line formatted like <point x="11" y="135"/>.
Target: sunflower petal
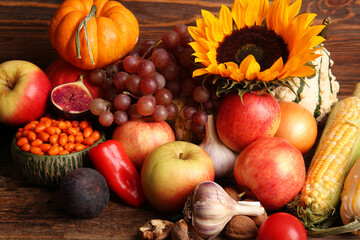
<point x="250" y="67"/>
<point x="273" y="72"/>
<point x="226" y="19"/>
<point x="294" y="9"/>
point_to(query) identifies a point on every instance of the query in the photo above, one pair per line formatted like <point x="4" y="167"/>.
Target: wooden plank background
<point x="28" y="212"/>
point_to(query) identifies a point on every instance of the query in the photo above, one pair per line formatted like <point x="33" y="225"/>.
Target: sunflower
<point x="256" y="42"/>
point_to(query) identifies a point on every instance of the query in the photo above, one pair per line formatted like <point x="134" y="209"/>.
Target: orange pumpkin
<point x="93" y="33"/>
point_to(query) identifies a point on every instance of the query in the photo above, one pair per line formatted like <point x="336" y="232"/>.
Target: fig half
<point x="73" y="99"/>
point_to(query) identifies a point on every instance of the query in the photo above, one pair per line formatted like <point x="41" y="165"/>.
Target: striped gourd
<point x="48" y="170"/>
<point x="337" y="151"/>
<point x="317" y="93"/>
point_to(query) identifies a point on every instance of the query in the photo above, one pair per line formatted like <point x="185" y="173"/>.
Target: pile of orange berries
<point x="50" y="136"/>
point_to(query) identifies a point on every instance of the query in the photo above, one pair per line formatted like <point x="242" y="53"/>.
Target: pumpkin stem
<point x="83" y="23"/>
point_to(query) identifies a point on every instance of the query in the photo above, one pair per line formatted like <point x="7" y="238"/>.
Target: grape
<point x="120" y="117"/>
<point x="185" y="40"/>
<point x="201" y="94"/>
<point x="122" y="102"/>
<point x="111" y="70"/>
<point x="148" y="85"/>
<point x="197" y="128"/>
<point x="171" y="71"/>
<point x="97" y="77"/>
<point x="119" y="80"/>
<point x="160" y="113"/>
<point x="133" y="112"/>
<point x="131" y="63"/>
<point x="187" y="87"/>
<point x="97" y="105"/>
<point x="174" y="87"/>
<point x="176" y="51"/>
<point x="146" y="48"/>
<point x="163" y="97"/>
<point x="172" y="110"/>
<point x="146" y="105"/>
<point x="145" y="68"/>
<point x="160" y="57"/>
<point x="134" y="53"/>
<point x="189" y="112"/>
<point x="111" y="93"/>
<point x="186" y="59"/>
<point x="208" y="105"/>
<point x="170" y="39"/>
<point x="181" y="29"/>
<point x="107" y="84"/>
<point x="133" y="83"/>
<point x="160" y="80"/>
<point x="106" y="118"/>
<point x="200" y="118"/>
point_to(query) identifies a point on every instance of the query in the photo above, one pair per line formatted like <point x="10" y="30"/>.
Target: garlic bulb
<point x="209" y="208"/>
<point x="222" y="157"/>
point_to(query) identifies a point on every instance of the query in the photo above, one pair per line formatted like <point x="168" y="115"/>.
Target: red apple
<point x="24" y="91"/>
<point x="172" y="171"/>
<point x="240" y="122"/>
<point x="60" y="72"/>
<point x="140" y="137"/>
<point x="272" y="169"/>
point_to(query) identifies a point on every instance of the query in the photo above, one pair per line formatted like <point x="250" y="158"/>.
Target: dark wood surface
<point x="28" y="212"/>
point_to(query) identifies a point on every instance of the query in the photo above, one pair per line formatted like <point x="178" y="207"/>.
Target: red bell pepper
<point x="111" y="160"/>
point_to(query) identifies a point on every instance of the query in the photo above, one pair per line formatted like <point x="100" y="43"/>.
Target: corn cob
<point x="336" y="153"/>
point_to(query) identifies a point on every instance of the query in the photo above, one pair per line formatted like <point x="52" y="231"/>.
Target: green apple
<point x="172" y="171"/>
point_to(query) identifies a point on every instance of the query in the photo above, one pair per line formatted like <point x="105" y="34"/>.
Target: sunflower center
<point x="264" y="44"/>
<point x="248" y="49"/>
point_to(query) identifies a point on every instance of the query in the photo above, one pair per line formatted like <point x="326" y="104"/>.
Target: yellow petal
<point x="226" y="19"/>
<point x="294" y="9"/>
<point x="250" y="67"/>
<point x="273" y="72"/>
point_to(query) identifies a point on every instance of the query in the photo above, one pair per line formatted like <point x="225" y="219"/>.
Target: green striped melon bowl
<point x="48" y="170"/>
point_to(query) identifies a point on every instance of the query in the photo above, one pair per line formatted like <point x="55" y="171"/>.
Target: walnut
<point x="241" y="227"/>
<point x="156" y="229"/>
<point x="233" y="193"/>
<point x="180" y="231"/>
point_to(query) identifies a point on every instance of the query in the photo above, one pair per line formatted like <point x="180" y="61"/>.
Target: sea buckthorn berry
<point x="61" y="125"/>
<point x="69" y="147"/>
<point x="95" y="135"/>
<point x="75" y="123"/>
<point x="72" y="130"/>
<point x="71" y="139"/>
<point x="26" y="147"/>
<point x="31" y="125"/>
<point x="63" y="152"/>
<point x="54" y="139"/>
<point x="83" y="124"/>
<point x="35" y="150"/>
<point x="79" y="137"/>
<point x="87" y="132"/>
<point x="88" y="141"/>
<point x="79" y="147"/>
<point x="45" y="147"/>
<point x="37" y="142"/>
<point x="21" y="141"/>
<point x="40" y="128"/>
<point x="44" y="136"/>
<point x="54" y="150"/>
<point x="31" y="136"/>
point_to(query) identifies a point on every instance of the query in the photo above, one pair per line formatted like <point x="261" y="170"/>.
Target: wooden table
<point x="28" y="212"/>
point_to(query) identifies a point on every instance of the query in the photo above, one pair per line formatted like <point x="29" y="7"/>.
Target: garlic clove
<point x="222" y="156"/>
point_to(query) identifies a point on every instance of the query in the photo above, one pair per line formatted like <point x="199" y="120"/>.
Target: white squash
<point x="319" y="93"/>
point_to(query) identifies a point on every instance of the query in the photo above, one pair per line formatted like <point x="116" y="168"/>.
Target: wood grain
<point x="28" y="212"/>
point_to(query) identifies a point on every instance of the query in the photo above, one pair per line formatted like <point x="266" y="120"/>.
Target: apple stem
<point x="181" y="155"/>
<point x="10" y="85"/>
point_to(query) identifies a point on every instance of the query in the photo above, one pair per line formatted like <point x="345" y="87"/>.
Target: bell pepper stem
<point x="83" y="24"/>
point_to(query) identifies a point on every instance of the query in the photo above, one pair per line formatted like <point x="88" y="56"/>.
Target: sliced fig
<point x="71" y="99"/>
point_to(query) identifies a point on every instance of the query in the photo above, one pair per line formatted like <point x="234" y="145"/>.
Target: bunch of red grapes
<point x="145" y="83"/>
